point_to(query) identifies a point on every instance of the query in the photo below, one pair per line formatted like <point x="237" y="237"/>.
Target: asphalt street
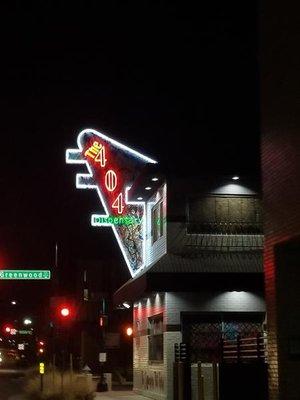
<point x="119" y="395"/>
<point x="11" y="384"/>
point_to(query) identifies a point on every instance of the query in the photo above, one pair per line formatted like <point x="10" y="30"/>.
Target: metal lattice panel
<point x="204" y="338"/>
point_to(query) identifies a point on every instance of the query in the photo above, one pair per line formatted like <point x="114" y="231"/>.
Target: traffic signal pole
<point x="102" y="385"/>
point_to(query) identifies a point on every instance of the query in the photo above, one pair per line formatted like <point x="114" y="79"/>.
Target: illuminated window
<point x="157" y="221"/>
<point x="156" y="338"/>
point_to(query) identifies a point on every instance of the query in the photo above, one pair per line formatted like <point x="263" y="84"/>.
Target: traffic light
<point x="7" y="329"/>
<point x="65" y="311"/>
<point x="41" y="347"/>
<point x="41" y="368"/>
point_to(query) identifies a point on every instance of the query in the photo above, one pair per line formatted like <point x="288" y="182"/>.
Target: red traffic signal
<point x="41" y="347"/>
<point x="65" y="312"/>
<point x="7" y="328"/>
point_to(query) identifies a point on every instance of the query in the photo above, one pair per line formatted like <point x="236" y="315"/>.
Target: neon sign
<point x="112" y="168"/>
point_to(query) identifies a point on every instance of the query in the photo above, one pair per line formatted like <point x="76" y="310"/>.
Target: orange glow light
<point x="129" y="331"/>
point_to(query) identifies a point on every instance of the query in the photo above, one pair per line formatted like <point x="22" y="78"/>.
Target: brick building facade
<point x="281" y="192"/>
<point x="207" y="286"/>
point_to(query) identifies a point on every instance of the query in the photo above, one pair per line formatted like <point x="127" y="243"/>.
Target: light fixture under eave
<point x="235" y="178"/>
<point x="139" y="198"/>
<point x="126" y="305"/>
<point x="154" y="179"/>
<point x="148" y="188"/>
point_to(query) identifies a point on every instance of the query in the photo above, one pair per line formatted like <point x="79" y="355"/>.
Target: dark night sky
<point x="177" y="82"/>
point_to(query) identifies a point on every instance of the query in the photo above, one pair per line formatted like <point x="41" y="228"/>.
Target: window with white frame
<point x="156" y="338"/>
<point x="157" y="221"/>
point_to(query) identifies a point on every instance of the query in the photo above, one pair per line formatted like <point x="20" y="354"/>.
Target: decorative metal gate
<point x="204" y="333"/>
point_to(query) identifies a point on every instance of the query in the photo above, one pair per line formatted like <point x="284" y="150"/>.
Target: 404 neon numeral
<point x="97" y="153"/>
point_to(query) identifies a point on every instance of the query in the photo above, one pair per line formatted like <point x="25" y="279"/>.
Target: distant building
<point x="99" y="328"/>
<point x="205" y="282"/>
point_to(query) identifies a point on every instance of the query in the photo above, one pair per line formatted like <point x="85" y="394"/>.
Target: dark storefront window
<point x="156" y="338"/>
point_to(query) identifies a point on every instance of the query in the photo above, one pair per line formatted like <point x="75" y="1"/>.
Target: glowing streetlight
<point x="129" y="331"/>
<point x="27" y="321"/>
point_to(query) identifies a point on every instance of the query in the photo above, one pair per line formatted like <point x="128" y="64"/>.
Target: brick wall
<point x="280" y="124"/>
<point x="149" y="379"/>
<point x="281" y="177"/>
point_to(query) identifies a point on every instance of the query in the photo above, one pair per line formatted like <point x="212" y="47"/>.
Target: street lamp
<point x="129" y="331"/>
<point x="27" y="321"/>
<point x="13" y="302"/>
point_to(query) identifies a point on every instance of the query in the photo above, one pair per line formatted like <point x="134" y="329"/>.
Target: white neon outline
<point x="108" y="139"/>
<point x="142" y="203"/>
<point x="74" y="156"/>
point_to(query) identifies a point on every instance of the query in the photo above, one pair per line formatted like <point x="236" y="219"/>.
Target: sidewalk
<point x="119" y="395"/>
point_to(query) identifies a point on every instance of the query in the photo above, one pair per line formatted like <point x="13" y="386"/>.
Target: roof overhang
<point x="149" y="282"/>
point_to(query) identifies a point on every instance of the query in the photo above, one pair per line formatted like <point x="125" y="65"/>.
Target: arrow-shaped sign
<point x="112" y="169"/>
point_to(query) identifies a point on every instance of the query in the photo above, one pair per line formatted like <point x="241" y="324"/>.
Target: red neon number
<point x="110" y="180"/>
<point x="118" y="203"/>
<point x="100" y="157"/>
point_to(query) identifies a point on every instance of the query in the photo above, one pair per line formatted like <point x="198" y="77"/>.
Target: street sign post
<point x="24" y="332"/>
<point x="20" y="274"/>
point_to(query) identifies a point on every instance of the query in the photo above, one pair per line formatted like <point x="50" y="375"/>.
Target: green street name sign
<point x="19" y="274"/>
